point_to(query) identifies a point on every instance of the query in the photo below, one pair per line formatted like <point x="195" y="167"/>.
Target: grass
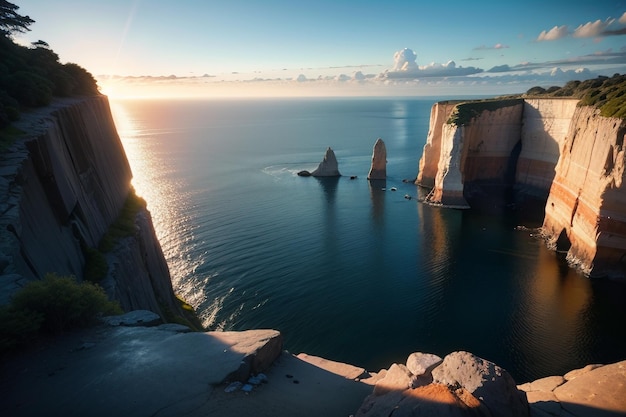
<point x="464" y="112"/>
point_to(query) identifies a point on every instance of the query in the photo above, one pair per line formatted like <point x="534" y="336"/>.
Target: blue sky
<point x="269" y="45"/>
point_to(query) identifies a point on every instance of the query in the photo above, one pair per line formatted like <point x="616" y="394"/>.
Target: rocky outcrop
<point x="461" y="384"/>
<point x="595" y="390"/>
<point x="482" y="153"/>
<point x="61" y="186"/>
<point x="328" y="167"/>
<point x="378" y="169"/>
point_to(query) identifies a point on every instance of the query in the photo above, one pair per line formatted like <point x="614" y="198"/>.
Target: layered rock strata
<point x="378" y="169"/>
<point x="550" y="149"/>
<point x="61" y="186"/>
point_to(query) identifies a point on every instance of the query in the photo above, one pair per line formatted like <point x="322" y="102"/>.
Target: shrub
<point x="64" y="303"/>
<point x="124" y="225"/>
<point x="96" y="266"/>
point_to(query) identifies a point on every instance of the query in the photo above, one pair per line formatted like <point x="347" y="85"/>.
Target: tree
<point x="11" y="21"/>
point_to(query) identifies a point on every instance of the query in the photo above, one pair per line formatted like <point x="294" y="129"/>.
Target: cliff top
<point x="608" y="94"/>
<point x="604" y="93"/>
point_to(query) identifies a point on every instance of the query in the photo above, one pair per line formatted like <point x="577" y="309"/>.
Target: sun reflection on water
<point x="166" y="200"/>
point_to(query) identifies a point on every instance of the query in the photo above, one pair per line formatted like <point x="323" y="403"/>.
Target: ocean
<point x="345" y="268"/>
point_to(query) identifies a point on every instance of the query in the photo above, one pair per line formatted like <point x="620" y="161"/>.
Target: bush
<point x="96" y="266"/>
<point x="64" y="303"/>
<point x="124" y="225"/>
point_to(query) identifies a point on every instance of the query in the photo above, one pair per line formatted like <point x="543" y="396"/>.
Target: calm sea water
<point x="344" y="268"/>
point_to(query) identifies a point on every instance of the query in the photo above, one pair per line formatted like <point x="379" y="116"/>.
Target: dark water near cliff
<point x="344" y="269"/>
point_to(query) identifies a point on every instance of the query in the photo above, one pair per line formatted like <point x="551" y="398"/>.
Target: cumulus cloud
<point x="404" y="60"/>
<point x="553" y="34"/>
<point x="592" y="29"/>
<point x="406" y="67"/>
<point x="358" y="76"/>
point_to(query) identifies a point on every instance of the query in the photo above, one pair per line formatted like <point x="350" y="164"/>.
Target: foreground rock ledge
<point x="166" y="370"/>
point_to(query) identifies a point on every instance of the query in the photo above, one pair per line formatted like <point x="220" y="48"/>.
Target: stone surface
<point x="338" y="368"/>
<point x="591" y="391"/>
<point x="420" y="363"/>
<point x="130" y="371"/>
<point x="378" y="168"/>
<point x="460" y="385"/>
<point x="601" y="391"/>
<point x="328" y="167"/>
<point x="134" y="318"/>
<point x="483" y="379"/>
<point x="397" y="378"/>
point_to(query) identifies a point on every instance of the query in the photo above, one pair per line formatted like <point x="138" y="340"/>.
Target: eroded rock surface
<point x="328" y="167"/>
<point x="378" y="169"/>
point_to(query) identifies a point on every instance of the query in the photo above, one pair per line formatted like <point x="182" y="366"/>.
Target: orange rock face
<point x="545" y="148"/>
<point x="587" y="201"/>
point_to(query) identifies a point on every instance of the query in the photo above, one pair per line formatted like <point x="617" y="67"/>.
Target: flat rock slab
<point x="128" y="371"/>
<point x="599" y="392"/>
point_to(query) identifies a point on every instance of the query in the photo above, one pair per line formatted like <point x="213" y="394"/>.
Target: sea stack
<point x="328" y="167"/>
<point x="378" y="170"/>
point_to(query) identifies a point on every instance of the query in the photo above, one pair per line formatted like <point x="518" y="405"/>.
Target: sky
<point x="331" y="47"/>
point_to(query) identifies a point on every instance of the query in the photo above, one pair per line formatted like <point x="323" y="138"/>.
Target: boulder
<point x="328" y="167"/>
<point x="420" y="363"/>
<point x="485" y="380"/>
<point x="378" y="169"/>
<point x="459" y="385"/>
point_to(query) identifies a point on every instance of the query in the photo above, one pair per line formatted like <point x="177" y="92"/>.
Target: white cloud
<point x="358" y="76"/>
<point x="404" y="60"/>
<point x="592" y="29"/>
<point x="555" y="33"/>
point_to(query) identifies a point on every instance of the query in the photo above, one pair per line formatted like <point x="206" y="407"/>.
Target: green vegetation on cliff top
<point x="605" y="93"/>
<point x="32" y="76"/>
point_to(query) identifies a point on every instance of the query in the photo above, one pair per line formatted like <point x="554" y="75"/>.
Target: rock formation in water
<point x="328" y="167"/>
<point x="378" y="169"/>
<point x="62" y="185"/>
<point x="548" y="149"/>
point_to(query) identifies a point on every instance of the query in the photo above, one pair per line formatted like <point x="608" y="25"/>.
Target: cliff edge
<point x="62" y="185"/>
<point x="499" y="153"/>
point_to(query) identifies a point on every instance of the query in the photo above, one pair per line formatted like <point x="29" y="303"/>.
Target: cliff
<point x="499" y="153"/>
<point x="62" y="185"/>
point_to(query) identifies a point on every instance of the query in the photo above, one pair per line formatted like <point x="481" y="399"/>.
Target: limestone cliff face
<point x="60" y="190"/>
<point x="545" y="124"/>
<point x="469" y="153"/>
<point x="586" y="207"/>
<point x="544" y="148"/>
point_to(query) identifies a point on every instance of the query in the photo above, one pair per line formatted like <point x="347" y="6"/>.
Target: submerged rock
<point x="328" y="167"/>
<point x="378" y="169"/>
